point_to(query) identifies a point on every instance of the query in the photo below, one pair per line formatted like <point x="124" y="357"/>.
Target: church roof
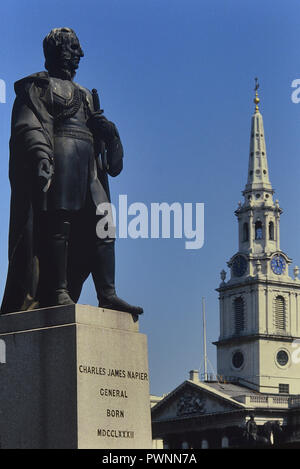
<point x="193" y="399"/>
<point x="231" y="389"/>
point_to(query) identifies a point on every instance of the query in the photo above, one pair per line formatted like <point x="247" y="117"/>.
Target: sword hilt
<point x="96" y="104"/>
<point x="96" y="100"/>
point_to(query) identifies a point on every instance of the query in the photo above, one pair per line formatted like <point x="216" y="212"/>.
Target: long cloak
<point x="31" y="131"/>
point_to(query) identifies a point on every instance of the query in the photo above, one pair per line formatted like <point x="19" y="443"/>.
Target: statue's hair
<point x="55" y="38"/>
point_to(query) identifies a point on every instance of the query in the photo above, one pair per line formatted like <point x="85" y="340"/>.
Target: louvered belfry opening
<point x="245" y="232"/>
<point x="258" y="230"/>
<point x="271" y="231"/>
<point x="279" y="313"/>
<point x="239" y="316"/>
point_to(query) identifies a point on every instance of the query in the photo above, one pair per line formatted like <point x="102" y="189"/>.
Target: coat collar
<point x="40" y="78"/>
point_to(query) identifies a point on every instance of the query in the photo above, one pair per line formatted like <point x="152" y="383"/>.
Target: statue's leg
<point x="59" y="232"/>
<point x="103" y="272"/>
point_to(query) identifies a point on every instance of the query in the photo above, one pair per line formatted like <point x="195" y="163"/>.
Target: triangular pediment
<point x="192" y="400"/>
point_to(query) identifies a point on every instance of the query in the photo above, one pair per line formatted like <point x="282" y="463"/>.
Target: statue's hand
<point x="44" y="166"/>
<point x="44" y="173"/>
<point x="102" y="127"/>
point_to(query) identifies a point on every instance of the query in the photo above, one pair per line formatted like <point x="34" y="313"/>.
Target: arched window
<point x="239" y="315"/>
<point x="245" y="232"/>
<point x="258" y="230"/>
<point x="204" y="444"/>
<point x="271" y="230"/>
<point x="225" y="442"/>
<point x="279" y="313"/>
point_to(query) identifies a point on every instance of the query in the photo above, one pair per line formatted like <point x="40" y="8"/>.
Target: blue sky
<point x="177" y="77"/>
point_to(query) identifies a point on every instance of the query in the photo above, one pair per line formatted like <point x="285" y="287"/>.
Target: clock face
<point x="278" y="264"/>
<point x="239" y="266"/>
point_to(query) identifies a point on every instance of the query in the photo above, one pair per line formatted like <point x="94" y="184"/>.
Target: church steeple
<point x="259" y="215"/>
<point x="258" y="174"/>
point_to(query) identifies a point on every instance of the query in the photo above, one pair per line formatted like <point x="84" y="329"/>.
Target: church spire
<point x="258" y="183"/>
<point x="259" y="215"/>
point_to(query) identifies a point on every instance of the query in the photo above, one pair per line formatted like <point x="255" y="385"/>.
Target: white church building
<point x="255" y="398"/>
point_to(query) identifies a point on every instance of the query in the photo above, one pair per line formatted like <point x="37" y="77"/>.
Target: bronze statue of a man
<point x="57" y="181"/>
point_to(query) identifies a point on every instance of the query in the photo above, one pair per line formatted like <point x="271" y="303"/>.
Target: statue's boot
<point x="104" y="278"/>
<point x="58" y="261"/>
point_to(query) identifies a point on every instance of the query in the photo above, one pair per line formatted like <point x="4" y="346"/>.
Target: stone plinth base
<point x="73" y="377"/>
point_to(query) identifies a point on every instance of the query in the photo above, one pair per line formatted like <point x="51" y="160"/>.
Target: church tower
<point x="260" y="303"/>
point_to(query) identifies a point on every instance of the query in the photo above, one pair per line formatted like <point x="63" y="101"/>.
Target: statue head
<point x="62" y="52"/>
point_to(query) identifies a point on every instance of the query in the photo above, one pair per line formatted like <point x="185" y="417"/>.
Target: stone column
<point x="277" y="218"/>
<point x="266" y="230"/>
<point x="251" y="231"/>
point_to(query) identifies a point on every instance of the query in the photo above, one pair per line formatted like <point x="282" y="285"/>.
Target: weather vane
<point x="256" y="99"/>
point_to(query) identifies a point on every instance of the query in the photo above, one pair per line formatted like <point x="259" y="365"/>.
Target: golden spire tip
<point x="256" y="99"/>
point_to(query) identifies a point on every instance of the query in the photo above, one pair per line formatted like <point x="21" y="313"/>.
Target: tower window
<point x="271" y="231"/>
<point x="237" y="359"/>
<point x="245" y="232"/>
<point x="239" y="315"/>
<point x="282" y="358"/>
<point x="258" y="230"/>
<point x="284" y="389"/>
<point x="279" y="313"/>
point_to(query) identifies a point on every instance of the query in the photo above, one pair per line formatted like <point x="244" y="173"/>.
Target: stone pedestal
<point x="73" y="377"/>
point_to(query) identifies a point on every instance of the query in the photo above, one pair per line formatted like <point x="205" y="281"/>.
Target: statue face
<point x="62" y="52"/>
<point x="69" y="54"/>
